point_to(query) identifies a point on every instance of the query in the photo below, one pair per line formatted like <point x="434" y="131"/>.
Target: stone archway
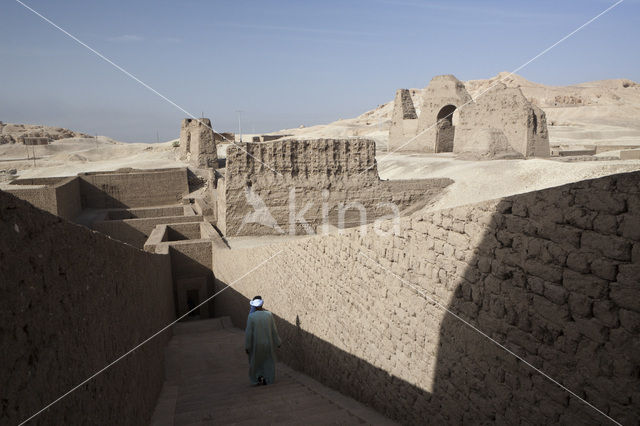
<point x="445" y="130"/>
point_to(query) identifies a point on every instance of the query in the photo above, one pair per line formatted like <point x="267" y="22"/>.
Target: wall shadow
<point x="100" y="197"/>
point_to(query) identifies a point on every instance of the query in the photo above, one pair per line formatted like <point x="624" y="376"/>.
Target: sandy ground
<point x="68" y="157"/>
<point x="485" y="180"/>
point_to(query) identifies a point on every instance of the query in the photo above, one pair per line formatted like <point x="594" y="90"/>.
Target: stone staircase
<point x="206" y="383"/>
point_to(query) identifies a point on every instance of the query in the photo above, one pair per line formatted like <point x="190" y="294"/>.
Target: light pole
<point x="239" y="124"/>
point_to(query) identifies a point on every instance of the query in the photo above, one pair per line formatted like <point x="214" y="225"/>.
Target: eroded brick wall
<point x="72" y="301"/>
<point x="319" y="178"/>
<point x="551" y="275"/>
<point x="133" y="188"/>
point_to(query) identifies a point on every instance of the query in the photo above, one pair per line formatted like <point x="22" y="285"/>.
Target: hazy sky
<point x="284" y="63"/>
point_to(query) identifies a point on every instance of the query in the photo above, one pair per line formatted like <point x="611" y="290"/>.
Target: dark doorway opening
<point x="445" y="130"/>
<point x="193" y="299"/>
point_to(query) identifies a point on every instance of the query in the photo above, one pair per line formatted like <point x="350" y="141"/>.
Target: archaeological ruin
<point x="500" y="123"/>
<point x="447" y="316"/>
<point x="198" y="144"/>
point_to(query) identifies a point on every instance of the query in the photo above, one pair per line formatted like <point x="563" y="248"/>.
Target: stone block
<point x="536" y="285"/>
<point x="518" y="225"/>
<point x="612" y="247"/>
<point x="580" y="305"/>
<point x="458" y="226"/>
<point x="555" y="313"/>
<point x="606" y="312"/>
<point x="625" y="296"/>
<point x="602" y="201"/>
<point x="492" y="284"/>
<point x="628" y="183"/>
<point x="593" y="329"/>
<point x="629" y="226"/>
<point x="484" y="264"/>
<point x="519" y="207"/>
<point x="605" y="224"/>
<point x="555" y="293"/>
<point x="580" y="217"/>
<point x="547" y="272"/>
<point x="578" y="261"/>
<point x="561" y="234"/>
<point x="630" y="320"/>
<point x="629" y="274"/>
<point x="604" y="268"/>
<point x="473" y="229"/>
<point x="587" y="285"/>
<point x="458" y="240"/>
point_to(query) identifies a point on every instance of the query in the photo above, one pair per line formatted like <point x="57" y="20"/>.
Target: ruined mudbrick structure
<point x="499" y="123"/>
<point x="333" y="181"/>
<point x="197" y="143"/>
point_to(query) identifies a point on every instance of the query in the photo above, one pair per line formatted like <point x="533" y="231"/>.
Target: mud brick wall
<point x="68" y="202"/>
<point x="59" y="196"/>
<point x="323" y="173"/>
<point x="136" y="231"/>
<point x="42" y="197"/>
<point x="135" y="188"/>
<point x="552" y="275"/>
<point x="72" y="301"/>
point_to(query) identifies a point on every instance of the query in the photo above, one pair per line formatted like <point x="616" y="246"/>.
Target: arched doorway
<point x="445" y="129"/>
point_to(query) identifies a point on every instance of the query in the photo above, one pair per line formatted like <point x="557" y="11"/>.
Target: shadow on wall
<point x="551" y="275"/>
<point x="102" y="197"/>
<point x="123" y="231"/>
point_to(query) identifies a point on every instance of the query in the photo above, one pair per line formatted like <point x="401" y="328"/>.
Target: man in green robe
<point x="260" y="342"/>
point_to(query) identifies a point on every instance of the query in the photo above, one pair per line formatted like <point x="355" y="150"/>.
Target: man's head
<point x="257" y="302"/>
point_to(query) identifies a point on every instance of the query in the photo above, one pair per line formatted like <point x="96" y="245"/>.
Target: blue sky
<point x="284" y="63"/>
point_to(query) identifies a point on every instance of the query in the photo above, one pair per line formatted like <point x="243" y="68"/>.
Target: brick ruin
<point x="198" y="144"/>
<point x="328" y="178"/>
<point x="500" y="123"/>
<point x="552" y="275"/>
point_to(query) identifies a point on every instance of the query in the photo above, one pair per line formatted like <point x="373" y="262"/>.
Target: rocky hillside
<point x="14" y="133"/>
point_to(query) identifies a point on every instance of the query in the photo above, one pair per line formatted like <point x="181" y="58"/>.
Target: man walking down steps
<point x="261" y="340"/>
